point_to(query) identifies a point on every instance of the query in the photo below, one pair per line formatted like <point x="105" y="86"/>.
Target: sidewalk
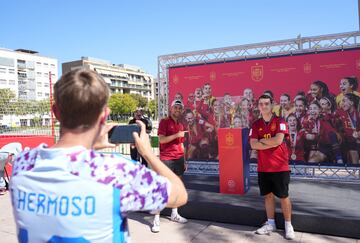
<point x="195" y="231"/>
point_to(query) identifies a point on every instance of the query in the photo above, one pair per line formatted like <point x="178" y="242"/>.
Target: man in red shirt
<point x="171" y="137"/>
<point x="267" y="136"/>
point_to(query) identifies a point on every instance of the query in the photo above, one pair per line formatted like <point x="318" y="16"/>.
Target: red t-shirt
<point x="296" y="146"/>
<point x="196" y="133"/>
<point x="171" y="150"/>
<point x="272" y="159"/>
<point x="350" y="123"/>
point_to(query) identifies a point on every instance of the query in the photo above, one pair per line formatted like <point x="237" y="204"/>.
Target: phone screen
<point x="123" y="133"/>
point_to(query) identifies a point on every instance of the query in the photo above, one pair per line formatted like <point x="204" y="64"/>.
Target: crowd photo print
<point x="316" y="94"/>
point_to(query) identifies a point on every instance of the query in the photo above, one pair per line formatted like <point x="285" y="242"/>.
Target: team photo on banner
<point x="316" y="94"/>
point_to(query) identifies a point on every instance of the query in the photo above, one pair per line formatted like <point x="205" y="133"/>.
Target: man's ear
<point x="104" y="115"/>
<point x="56" y="111"/>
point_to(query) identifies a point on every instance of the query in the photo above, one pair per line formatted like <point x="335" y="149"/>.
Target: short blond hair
<point x="80" y="96"/>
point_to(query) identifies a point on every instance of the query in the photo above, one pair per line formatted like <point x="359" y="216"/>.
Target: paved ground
<point x="195" y="231"/>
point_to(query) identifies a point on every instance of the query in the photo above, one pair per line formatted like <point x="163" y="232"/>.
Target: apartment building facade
<point x="121" y="78"/>
<point x="29" y="76"/>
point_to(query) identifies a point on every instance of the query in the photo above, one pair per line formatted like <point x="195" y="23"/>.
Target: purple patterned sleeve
<point x="147" y="191"/>
<point x="141" y="189"/>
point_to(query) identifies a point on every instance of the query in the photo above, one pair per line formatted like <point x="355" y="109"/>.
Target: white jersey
<point x="79" y="195"/>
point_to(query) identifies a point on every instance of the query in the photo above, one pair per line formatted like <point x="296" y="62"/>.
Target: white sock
<point x="271" y="222"/>
<point x="157" y="217"/>
<point x="174" y="211"/>
<point x="288" y="224"/>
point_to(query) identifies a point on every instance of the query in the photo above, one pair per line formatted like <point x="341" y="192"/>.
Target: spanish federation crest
<point x="307" y="68"/>
<point x="257" y="73"/>
<point x="229" y="139"/>
<point x="358" y="64"/>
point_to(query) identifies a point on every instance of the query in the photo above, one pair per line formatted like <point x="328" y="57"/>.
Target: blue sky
<point x="137" y="32"/>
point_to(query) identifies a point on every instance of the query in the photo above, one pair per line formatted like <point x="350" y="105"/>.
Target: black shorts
<point x="177" y="165"/>
<point x="275" y="182"/>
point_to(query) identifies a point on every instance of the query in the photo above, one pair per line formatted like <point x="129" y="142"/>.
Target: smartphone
<point x="123" y="133"/>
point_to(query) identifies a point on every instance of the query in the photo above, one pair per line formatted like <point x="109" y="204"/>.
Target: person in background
<point x="139" y="116"/>
<point x="300" y="108"/>
<point x="207" y="94"/>
<point x="318" y="89"/>
<point x="249" y="94"/>
<point x="349" y="115"/>
<point x="171" y="138"/>
<point x="178" y="96"/>
<point x="285" y="107"/>
<point x="347" y="85"/>
<point x="69" y="192"/>
<point x="321" y="139"/>
<point x="296" y="142"/>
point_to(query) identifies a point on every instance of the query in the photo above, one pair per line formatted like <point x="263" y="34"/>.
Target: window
<point x="47" y="95"/>
<point x="39" y="94"/>
<point x="39" y="84"/>
<point x="12" y="82"/>
<point x="3" y="82"/>
<point x="38" y="74"/>
<point x="22" y="75"/>
<point x="2" y="70"/>
<point x="46" y="85"/>
<point x="46" y="64"/>
<point x="12" y="71"/>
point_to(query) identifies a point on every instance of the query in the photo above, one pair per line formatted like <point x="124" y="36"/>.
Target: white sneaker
<point x="266" y="229"/>
<point x="156" y="226"/>
<point x="289" y="233"/>
<point x="177" y="218"/>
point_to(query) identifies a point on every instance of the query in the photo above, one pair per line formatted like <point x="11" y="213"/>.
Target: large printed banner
<point x="316" y="94"/>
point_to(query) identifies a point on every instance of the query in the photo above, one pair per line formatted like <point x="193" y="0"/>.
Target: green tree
<point x="153" y="107"/>
<point x="142" y="101"/>
<point x="7" y="98"/>
<point x="40" y="109"/>
<point x="23" y="107"/>
<point x="122" y="103"/>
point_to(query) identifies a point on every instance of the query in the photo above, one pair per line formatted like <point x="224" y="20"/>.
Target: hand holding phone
<point x="181" y="134"/>
<point x="123" y="133"/>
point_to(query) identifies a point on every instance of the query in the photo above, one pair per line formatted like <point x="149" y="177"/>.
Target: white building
<point x="26" y="73"/>
<point x="122" y="78"/>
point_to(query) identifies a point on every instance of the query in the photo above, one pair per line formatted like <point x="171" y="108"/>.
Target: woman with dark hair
<point x="243" y="112"/>
<point x="349" y="115"/>
<point x="300" y="108"/>
<point x="347" y="85"/>
<point x="285" y="108"/>
<point x="328" y="108"/>
<point x="318" y="89"/>
<point x="198" y="135"/>
<point x="200" y="108"/>
<point x="296" y="142"/>
<point x="320" y="136"/>
<point x="299" y="95"/>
